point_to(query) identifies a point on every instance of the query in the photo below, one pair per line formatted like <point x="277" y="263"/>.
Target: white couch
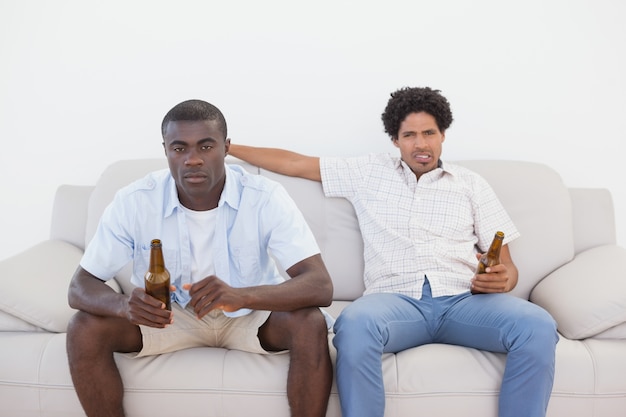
<point x="568" y="263"/>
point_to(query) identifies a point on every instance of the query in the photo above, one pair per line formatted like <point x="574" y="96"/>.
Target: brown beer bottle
<point x="492" y="256"/>
<point x="157" y="278"/>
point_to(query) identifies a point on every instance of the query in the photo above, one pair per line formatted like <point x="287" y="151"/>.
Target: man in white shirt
<point x="424" y="224"/>
<point x="218" y="225"/>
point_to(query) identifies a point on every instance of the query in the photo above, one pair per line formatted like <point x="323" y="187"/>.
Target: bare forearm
<point x="291" y="295"/>
<point x="277" y="160"/>
<point x="310" y="286"/>
<point x="88" y="293"/>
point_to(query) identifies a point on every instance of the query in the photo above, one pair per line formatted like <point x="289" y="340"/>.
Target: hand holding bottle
<point x="152" y="306"/>
<point x="146" y="310"/>
<point x="491" y="275"/>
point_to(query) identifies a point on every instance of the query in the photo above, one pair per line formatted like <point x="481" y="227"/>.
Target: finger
<point x="156" y="318"/>
<point x="205" y="309"/>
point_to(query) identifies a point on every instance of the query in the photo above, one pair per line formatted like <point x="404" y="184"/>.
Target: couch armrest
<point x="587" y="295"/>
<point x="69" y="214"/>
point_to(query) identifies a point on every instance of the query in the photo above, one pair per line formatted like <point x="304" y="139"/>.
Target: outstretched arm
<point x="279" y="160"/>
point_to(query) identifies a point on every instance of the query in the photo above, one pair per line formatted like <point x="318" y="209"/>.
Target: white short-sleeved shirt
<point x="255" y="218"/>
<point x="415" y="229"/>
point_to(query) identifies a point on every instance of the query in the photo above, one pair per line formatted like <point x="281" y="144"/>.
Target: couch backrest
<point x="534" y="195"/>
<point x="594" y="218"/>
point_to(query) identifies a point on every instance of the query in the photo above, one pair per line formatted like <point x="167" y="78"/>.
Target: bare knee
<point x="290" y="330"/>
<point x="96" y="334"/>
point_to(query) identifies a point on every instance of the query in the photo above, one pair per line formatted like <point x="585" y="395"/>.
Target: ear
<point x="226" y="145"/>
<point x="394" y="140"/>
<point x="164" y="149"/>
<point x="443" y="136"/>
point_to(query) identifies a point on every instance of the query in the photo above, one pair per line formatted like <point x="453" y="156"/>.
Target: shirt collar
<point x="171" y="197"/>
<point x="403" y="169"/>
<point x="230" y="194"/>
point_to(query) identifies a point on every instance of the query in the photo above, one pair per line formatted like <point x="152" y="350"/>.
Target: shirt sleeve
<point x="290" y="239"/>
<point x="342" y="177"/>
<point x="112" y="246"/>
<point x="490" y="216"/>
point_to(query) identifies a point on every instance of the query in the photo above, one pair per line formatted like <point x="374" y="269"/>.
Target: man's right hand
<point x="146" y="310"/>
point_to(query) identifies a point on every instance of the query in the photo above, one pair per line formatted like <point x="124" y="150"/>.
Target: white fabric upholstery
<point x="590" y="299"/>
<point x="34" y="284"/>
<point x="566" y="255"/>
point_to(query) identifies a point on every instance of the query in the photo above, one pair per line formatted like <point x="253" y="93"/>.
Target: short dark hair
<point x="195" y="110"/>
<point x="409" y="100"/>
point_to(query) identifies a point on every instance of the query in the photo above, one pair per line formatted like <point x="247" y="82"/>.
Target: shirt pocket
<point x="245" y="260"/>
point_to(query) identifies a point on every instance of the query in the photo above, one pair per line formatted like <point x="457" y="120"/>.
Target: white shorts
<point x="214" y="330"/>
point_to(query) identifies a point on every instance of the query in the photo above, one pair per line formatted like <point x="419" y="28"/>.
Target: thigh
<point x="488" y="321"/>
<point x="398" y="322"/>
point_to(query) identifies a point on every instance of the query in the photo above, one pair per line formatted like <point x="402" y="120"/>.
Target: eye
<point x="206" y="147"/>
<point x="178" y="149"/>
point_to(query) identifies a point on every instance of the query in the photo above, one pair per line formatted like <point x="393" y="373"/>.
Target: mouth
<point x="422" y="158"/>
<point x="195" y="177"/>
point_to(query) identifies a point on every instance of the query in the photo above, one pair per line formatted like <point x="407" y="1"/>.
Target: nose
<point x="193" y="159"/>
<point x="420" y="141"/>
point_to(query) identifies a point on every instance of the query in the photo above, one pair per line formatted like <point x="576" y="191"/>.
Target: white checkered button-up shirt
<point x="432" y="228"/>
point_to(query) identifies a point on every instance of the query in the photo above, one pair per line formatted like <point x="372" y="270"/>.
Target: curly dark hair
<point x="409" y="100"/>
<point x="195" y="110"/>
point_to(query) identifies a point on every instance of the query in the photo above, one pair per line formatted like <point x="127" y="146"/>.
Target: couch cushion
<point x="587" y="296"/>
<point x="34" y="284"/>
<point x="615" y="332"/>
<point x="39" y="296"/>
<point x="10" y="323"/>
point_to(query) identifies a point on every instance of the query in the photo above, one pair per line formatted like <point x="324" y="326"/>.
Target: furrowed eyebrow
<point x="200" y="142"/>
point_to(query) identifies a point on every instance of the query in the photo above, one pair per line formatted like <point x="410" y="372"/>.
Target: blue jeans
<point x="389" y="323"/>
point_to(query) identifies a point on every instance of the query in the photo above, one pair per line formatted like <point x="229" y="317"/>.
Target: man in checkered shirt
<point x="424" y="224"/>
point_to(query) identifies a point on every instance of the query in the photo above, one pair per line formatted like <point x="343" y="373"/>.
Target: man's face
<point x="195" y="153"/>
<point x="419" y="141"/>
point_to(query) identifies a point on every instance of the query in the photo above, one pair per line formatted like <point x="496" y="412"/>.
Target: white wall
<point x="84" y="83"/>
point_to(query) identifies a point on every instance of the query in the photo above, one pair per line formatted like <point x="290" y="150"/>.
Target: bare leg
<point x="310" y="375"/>
<point x="91" y="341"/>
